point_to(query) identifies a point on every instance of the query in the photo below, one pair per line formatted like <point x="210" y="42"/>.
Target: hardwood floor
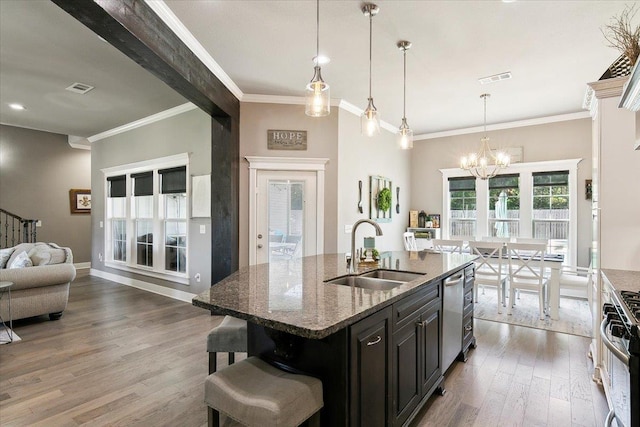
<point x="124" y="357"/>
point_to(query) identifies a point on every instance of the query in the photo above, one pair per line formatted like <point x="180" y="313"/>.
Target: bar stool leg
<point x="213" y="361"/>
<point x="213" y="417"/>
<point x="232" y="358"/>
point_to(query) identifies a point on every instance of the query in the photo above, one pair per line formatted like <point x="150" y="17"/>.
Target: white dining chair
<point x="526" y="272"/>
<point x="410" y="241"/>
<point x="445" y="245"/>
<point x="580" y="279"/>
<point x="490" y="269"/>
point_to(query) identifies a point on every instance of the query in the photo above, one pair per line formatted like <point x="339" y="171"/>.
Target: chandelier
<point x="485" y="164"/>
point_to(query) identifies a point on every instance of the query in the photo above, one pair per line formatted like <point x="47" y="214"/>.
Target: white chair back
<point x="444" y="245"/>
<point x="489" y="269"/>
<point x="495" y="239"/>
<point x="526" y="261"/>
<point x="410" y="241"/>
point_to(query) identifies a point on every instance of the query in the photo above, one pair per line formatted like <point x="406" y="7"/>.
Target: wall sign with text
<point x="286" y="139"/>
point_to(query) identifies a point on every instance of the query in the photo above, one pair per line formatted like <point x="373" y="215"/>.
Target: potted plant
<point x="429" y="222"/>
<point x="621" y="34"/>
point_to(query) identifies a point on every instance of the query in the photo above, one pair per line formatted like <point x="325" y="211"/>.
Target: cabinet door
<point x="370" y="386"/>
<point x="406" y="365"/>
<point x="431" y="365"/>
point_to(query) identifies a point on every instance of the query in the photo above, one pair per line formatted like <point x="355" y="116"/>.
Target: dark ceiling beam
<point x="133" y="27"/>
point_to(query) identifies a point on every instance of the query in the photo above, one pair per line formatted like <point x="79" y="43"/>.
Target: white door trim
<point x="257" y="163"/>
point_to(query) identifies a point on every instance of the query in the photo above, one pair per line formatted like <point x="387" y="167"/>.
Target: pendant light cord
<point x="370" y="42"/>
<point x="404" y="86"/>
<point x="318" y="33"/>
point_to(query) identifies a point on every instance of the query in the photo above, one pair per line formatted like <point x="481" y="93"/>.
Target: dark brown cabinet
<point x="416" y="351"/>
<point x="370" y="385"/>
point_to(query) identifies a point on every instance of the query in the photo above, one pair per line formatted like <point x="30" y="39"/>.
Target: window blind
<point x="504" y="181"/>
<point x="117" y="186"/>
<point x="547" y="179"/>
<point x="462" y="184"/>
<point x="174" y="180"/>
<point x="142" y="183"/>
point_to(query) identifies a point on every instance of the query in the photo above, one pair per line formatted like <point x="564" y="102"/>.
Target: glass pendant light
<point x="484" y="164"/>
<point x="405" y="134"/>
<point x="370" y="120"/>
<point x="317" y="99"/>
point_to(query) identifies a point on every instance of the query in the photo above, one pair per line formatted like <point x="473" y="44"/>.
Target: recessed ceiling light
<point x="321" y="60"/>
<point x="17" y="106"/>
<point x="495" y="78"/>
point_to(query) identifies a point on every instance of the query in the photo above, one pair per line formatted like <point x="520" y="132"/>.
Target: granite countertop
<point x="623" y="280"/>
<point x="292" y="296"/>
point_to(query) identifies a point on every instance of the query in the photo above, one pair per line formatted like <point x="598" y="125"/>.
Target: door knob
<point x="259" y="236"/>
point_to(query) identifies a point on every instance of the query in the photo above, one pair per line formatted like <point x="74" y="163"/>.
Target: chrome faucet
<point x="352" y="264"/>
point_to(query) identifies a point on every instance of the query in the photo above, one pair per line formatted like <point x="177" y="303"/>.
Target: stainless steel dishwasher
<point x="452" y="318"/>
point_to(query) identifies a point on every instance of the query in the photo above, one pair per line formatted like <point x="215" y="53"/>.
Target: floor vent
<point x="80" y="88"/>
<point x="495" y="78"/>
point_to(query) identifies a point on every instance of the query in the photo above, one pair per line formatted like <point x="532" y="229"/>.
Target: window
<point x="541" y="202"/>
<point x="504" y="206"/>
<point x="462" y="196"/>
<point x="146" y="216"/>
<point x="551" y="213"/>
<point x="117" y="217"/>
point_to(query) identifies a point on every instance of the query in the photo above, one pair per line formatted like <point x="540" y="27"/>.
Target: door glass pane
<point x="286" y="219"/>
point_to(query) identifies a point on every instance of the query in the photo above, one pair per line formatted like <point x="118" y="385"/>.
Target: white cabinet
<point x="615" y="201"/>
<point x="424" y="236"/>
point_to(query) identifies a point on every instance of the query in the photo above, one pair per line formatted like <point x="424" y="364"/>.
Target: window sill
<point x="183" y="279"/>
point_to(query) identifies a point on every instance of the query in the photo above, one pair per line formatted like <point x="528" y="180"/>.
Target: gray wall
<point x="359" y="158"/>
<point x="553" y="141"/>
<point x="322" y="142"/>
<point x="37" y="170"/>
<point x="188" y="132"/>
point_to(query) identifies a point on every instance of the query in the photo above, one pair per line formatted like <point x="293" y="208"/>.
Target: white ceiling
<point x="552" y="48"/>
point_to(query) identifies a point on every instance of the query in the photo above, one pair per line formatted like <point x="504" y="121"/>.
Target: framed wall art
<point x="80" y="201"/>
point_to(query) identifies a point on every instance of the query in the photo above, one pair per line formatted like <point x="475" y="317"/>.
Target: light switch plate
<point x="203" y="229"/>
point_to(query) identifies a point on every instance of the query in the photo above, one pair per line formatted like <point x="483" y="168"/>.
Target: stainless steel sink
<point x="366" y="283"/>
<point x="400" y="276"/>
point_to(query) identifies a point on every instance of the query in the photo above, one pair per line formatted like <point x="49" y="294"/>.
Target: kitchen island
<point x="377" y="352"/>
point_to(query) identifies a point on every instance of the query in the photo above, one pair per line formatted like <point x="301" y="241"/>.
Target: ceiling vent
<point x="495" y="78"/>
<point x="80" y="88"/>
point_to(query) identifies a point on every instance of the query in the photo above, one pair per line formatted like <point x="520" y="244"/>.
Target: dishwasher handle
<point x="452" y="281"/>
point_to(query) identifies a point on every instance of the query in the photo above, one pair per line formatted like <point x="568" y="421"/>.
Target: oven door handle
<point x="611" y="346"/>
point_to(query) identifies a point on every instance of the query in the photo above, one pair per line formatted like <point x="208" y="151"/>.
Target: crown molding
<point x="78" y="142"/>
<point x="168" y="17"/>
<point x="506" y="125"/>
<point x="144" y="121"/>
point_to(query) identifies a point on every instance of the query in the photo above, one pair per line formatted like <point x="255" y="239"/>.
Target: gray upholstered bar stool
<point x="257" y="394"/>
<point x="229" y="336"/>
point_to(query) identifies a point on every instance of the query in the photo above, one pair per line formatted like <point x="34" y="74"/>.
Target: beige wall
<point x="553" y="141"/>
<point x="322" y="142"/>
<point x="37" y="170"/>
<point x="361" y="157"/>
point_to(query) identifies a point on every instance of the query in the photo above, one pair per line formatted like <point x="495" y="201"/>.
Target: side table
<point x="5" y="288"/>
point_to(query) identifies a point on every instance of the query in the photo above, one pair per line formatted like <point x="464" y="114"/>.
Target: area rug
<point x="574" y="313"/>
<point x="4" y="336"/>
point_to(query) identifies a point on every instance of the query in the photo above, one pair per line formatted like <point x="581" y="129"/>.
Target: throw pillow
<point x="5" y="254"/>
<point x="40" y="258"/>
<point x="21" y="261"/>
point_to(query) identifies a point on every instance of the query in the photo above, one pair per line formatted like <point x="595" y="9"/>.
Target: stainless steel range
<point x="620" y="332"/>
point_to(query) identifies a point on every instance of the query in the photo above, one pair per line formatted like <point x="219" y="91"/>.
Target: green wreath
<point x="384" y="199"/>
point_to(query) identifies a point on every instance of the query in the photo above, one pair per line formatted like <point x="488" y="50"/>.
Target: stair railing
<point x="14" y="229"/>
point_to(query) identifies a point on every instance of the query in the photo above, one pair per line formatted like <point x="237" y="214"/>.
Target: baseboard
<point x="145" y="286"/>
<point x="82" y="265"/>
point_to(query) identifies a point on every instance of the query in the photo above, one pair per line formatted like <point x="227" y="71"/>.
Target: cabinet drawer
<point x="468" y="301"/>
<point x="467" y="330"/>
<point x="403" y="309"/>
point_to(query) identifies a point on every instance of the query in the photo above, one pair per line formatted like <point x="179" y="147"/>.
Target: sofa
<point x="41" y="274"/>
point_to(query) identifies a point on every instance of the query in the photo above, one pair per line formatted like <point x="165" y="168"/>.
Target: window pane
<point x="175" y="246"/>
<point x="176" y="206"/>
<point x="144" y="242"/>
<point x="116" y="207"/>
<point x="462" y="199"/>
<point x="551" y="209"/>
<point x="143" y="207"/>
<point x="119" y="239"/>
